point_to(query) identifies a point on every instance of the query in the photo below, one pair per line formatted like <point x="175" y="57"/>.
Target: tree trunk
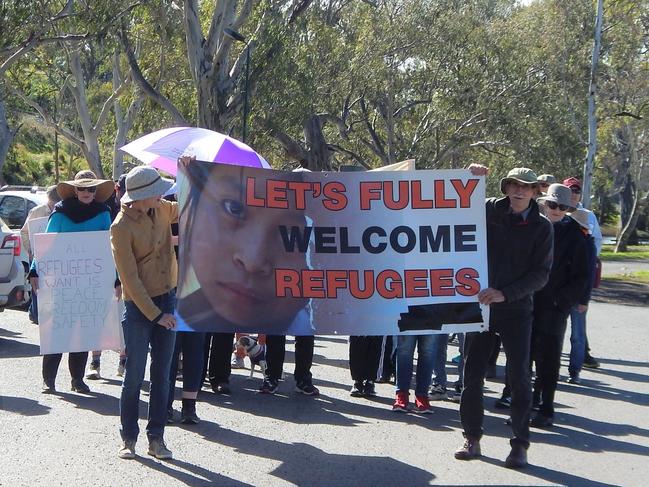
<point x="123" y="121"/>
<point x="592" y="116"/>
<point x="319" y="155"/>
<point x="91" y="142"/>
<point x="628" y="213"/>
<point x="630" y="193"/>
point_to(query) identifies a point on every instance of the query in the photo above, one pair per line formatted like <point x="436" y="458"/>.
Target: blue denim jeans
<point x="425" y="357"/>
<point x="33" y="309"/>
<point x="577" y="340"/>
<point x="139" y="333"/>
<point x="440" y="344"/>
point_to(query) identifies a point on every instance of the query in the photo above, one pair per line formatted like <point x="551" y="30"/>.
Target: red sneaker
<point x="422" y="405"/>
<point x="401" y="402"/>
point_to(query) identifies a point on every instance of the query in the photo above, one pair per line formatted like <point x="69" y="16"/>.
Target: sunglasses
<point x="89" y="190"/>
<point x="553" y="206"/>
<point x="576" y="190"/>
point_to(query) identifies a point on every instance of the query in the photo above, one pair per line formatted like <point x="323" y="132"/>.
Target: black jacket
<point x="519" y="255"/>
<point x="592" y="262"/>
<point x="569" y="278"/>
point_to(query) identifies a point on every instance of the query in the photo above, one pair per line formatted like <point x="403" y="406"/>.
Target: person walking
<point x="143" y="250"/>
<point x="568" y="279"/>
<point x="81" y="209"/>
<point x="519" y="255"/>
<point x="40" y="211"/>
<point x="275" y="352"/>
<point x="579" y="351"/>
<point x="364" y="364"/>
<point x="425" y="361"/>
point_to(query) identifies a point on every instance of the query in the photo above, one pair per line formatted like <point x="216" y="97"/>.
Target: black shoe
<point x="48" y="387"/>
<point x="307" y="388"/>
<point x="536" y="402"/>
<point x="384" y="379"/>
<point x="517" y="458"/>
<point x="221" y="388"/>
<point x="78" y="385"/>
<point x="505" y="402"/>
<point x="170" y="416"/>
<point x="469" y="451"/>
<point x="369" y="390"/>
<point x="358" y="389"/>
<point x="269" y="386"/>
<point x="590" y="362"/>
<point x="541" y="421"/>
<point x="189" y="417"/>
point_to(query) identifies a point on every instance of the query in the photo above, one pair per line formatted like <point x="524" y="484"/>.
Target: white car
<point x="16" y="201"/>
<point x="13" y="287"/>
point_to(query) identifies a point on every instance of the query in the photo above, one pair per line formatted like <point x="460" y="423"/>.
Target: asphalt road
<point x="601" y="436"/>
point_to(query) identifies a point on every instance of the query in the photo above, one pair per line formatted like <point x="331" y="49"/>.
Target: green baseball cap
<point x="519" y="174"/>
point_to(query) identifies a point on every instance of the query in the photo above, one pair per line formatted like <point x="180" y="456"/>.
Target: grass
<point x="637" y="276"/>
<point x="634" y="252"/>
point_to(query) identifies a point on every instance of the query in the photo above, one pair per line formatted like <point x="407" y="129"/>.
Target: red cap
<point x="571" y="182"/>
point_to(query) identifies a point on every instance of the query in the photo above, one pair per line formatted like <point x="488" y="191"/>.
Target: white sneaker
<point x="94" y="371"/>
<point x="237" y="362"/>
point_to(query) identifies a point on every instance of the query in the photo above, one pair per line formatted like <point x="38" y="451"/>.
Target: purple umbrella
<point x="161" y="149"/>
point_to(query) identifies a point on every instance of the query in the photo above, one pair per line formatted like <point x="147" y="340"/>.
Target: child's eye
<point x="234" y="208"/>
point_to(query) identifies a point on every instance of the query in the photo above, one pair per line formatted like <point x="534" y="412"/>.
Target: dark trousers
<point x="515" y="335"/>
<point x="388" y="361"/>
<point x="276" y="349"/>
<point x="191" y="345"/>
<point x="546" y="350"/>
<point x="495" y="351"/>
<point x="76" y="362"/>
<point x="218" y="353"/>
<point x="364" y="357"/>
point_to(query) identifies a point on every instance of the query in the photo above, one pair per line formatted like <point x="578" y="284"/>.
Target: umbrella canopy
<point x="161" y="149"/>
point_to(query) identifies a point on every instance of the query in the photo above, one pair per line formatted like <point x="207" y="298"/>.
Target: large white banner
<point x="353" y="253"/>
<point x="77" y="307"/>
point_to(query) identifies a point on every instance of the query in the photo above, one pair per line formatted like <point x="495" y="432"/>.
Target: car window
<point x="12" y="211"/>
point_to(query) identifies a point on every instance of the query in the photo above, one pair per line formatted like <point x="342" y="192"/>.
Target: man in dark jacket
<point x="519" y="246"/>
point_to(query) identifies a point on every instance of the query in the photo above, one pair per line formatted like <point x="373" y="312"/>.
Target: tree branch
<point x="144" y="85"/>
<point x="105" y="109"/>
<point x="353" y="155"/>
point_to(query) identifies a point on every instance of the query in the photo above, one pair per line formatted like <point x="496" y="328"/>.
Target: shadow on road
<point x="549" y="475"/>
<point x="13" y="348"/>
<point x="23" y="406"/>
<point x="324" y="468"/>
<point x="187" y="473"/>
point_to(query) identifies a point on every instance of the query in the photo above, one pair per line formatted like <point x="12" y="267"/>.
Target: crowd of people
<point x="542" y="248"/>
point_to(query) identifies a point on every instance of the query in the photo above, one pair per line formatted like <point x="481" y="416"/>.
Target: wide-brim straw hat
<point x="522" y="175"/>
<point x="144" y="182"/>
<point x="560" y="194"/>
<point x="104" y="187"/>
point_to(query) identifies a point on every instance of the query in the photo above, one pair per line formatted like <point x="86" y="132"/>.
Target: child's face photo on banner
<point x="235" y="249"/>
